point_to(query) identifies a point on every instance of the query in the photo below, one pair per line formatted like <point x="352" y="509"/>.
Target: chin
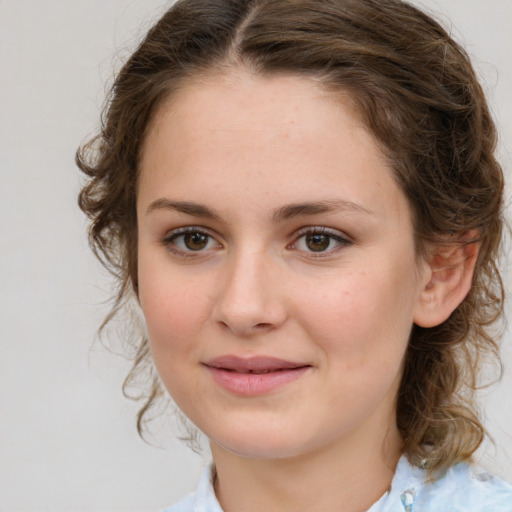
<point x="264" y="449"/>
<point x="273" y="442"/>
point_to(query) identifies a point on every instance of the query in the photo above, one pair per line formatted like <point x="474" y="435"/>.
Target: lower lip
<point x="254" y="384"/>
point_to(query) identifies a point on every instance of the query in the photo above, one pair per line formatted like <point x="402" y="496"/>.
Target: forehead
<point x="266" y="109"/>
<point x="282" y="132"/>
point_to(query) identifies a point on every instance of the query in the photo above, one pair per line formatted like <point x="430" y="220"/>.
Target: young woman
<point x="303" y="198"/>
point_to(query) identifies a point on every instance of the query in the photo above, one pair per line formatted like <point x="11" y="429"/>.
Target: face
<point x="277" y="271"/>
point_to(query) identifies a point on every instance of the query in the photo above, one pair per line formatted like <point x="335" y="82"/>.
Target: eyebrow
<point x="281" y="214"/>
<point x="188" y="207"/>
<point x="316" y="207"/>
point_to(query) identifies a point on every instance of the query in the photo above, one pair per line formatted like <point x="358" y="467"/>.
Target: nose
<point x="250" y="299"/>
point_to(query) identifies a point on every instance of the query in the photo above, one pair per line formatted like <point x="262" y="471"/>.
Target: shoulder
<point x="184" y="505"/>
<point x="466" y="487"/>
<point x="202" y="499"/>
<point x="463" y="488"/>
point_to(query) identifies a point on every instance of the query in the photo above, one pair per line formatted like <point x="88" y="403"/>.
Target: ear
<point x="448" y="279"/>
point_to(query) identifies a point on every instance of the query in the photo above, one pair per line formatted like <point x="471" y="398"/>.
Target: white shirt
<point x="464" y="488"/>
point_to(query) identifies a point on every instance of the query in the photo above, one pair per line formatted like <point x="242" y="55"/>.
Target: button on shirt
<point x="464" y="488"/>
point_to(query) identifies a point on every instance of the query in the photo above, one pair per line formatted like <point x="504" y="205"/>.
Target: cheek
<point x="174" y="319"/>
<point x="363" y="317"/>
<point x="173" y="308"/>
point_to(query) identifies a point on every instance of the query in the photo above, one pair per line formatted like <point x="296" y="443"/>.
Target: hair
<point x="416" y="91"/>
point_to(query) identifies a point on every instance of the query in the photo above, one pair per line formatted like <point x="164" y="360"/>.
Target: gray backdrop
<point x="67" y="436"/>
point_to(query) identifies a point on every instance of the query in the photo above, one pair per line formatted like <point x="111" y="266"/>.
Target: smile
<point x="254" y="376"/>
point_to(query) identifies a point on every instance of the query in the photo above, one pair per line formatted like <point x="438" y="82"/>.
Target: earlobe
<point x="448" y="280"/>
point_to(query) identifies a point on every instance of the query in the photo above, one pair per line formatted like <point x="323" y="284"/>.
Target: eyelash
<point x="340" y="240"/>
<point x="170" y="241"/>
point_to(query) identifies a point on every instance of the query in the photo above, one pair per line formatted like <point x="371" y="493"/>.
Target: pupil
<point x="317" y="242"/>
<point x="196" y="241"/>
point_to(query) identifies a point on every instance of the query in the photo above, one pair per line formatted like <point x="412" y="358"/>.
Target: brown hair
<point x="417" y="93"/>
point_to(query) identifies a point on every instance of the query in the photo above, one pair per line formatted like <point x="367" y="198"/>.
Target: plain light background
<point x="67" y="436"/>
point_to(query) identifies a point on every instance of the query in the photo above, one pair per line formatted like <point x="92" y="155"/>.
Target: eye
<point x="320" y="240"/>
<point x="189" y="240"/>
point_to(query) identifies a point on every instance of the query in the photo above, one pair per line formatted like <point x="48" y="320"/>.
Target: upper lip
<point x="254" y="363"/>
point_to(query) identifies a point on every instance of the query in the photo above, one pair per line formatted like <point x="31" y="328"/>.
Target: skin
<point x="245" y="148"/>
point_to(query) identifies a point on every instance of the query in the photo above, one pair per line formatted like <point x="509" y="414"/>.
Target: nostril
<point x="246" y="330"/>
<point x="263" y="326"/>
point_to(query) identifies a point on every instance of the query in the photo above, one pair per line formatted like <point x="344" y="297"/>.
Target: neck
<point x="347" y="476"/>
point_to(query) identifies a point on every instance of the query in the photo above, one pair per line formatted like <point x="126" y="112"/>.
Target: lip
<point x="254" y="376"/>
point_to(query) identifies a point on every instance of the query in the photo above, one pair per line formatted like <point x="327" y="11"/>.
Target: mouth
<point x="254" y="375"/>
